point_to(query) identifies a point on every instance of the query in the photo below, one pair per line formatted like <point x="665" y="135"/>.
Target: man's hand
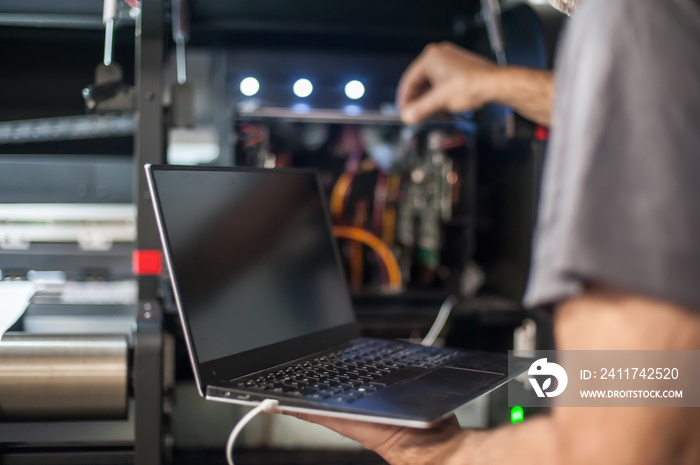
<point x="444" y="78"/>
<point x="447" y="78"/>
<point x="398" y="445"/>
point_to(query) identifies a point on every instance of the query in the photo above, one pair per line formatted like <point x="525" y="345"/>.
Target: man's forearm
<point x="530" y="92"/>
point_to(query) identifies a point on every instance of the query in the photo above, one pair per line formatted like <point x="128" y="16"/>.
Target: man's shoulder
<point x="620" y="180"/>
<point x="618" y="17"/>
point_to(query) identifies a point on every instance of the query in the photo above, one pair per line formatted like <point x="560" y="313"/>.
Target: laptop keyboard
<point x="349" y="374"/>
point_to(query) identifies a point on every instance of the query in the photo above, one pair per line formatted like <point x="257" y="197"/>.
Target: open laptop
<point x="266" y="312"/>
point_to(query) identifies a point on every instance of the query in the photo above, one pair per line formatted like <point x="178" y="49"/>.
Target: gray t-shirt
<point x="621" y="190"/>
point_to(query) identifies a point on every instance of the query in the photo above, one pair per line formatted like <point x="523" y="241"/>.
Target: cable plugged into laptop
<point x="266" y="405"/>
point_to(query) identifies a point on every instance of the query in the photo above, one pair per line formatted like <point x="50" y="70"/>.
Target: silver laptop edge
<point x="168" y="261"/>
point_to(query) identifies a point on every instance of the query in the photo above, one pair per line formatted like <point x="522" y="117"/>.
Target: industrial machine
<point x="78" y="270"/>
<point x="72" y="334"/>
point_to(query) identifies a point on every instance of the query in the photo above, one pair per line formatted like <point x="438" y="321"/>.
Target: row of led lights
<point x="302" y="88"/>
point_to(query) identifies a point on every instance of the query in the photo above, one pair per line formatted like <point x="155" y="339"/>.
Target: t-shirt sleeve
<point x="620" y="199"/>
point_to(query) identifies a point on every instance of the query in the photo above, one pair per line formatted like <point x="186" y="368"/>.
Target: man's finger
<point x="328" y="422"/>
<point x="370" y="435"/>
<point x="423" y="107"/>
<point x="414" y="81"/>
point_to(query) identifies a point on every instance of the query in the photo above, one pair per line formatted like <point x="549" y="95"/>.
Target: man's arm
<point x="447" y="78"/>
<point x="608" y="319"/>
<point x="600" y="319"/>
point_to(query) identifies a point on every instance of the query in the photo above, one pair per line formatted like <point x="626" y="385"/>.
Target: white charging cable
<point x="440" y="320"/>
<point x="265" y="406"/>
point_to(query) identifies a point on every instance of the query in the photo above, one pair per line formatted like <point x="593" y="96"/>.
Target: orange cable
<point x="379" y="247"/>
<point x="339" y="193"/>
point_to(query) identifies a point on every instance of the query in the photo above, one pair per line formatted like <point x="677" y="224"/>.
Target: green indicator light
<point x="517" y="414"/>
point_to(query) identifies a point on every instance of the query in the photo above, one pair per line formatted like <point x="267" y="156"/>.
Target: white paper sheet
<point x="14" y="300"/>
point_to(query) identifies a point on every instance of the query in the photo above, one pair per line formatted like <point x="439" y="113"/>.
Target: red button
<point x="147" y="262"/>
<point x="541" y="133"/>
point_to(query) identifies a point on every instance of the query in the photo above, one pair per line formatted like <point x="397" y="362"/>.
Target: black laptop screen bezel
<point x="233" y="366"/>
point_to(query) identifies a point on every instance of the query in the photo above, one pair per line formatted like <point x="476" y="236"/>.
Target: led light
<point x="516" y="414"/>
<point x="354" y="89"/>
<point x="302" y="88"/>
<point x="249" y="86"/>
<point x="352" y="110"/>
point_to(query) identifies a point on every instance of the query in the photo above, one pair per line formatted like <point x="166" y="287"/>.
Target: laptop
<point x="262" y="297"/>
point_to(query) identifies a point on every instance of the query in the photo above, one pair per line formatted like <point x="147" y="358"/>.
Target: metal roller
<point x="58" y="377"/>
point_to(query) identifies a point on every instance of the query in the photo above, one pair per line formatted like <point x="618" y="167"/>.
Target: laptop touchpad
<point x="445" y="380"/>
<point x="460" y="380"/>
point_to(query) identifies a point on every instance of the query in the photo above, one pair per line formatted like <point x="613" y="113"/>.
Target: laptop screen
<point x="252" y="256"/>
